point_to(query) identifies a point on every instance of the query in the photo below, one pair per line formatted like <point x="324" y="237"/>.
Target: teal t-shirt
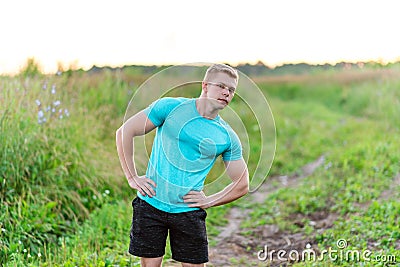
<point x="184" y="150"/>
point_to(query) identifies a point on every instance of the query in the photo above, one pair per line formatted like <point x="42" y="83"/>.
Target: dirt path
<point x="387" y="194"/>
<point x="232" y="245"/>
<point x="235" y="249"/>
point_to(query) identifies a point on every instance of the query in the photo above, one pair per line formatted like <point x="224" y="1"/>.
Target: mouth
<point x="223" y="100"/>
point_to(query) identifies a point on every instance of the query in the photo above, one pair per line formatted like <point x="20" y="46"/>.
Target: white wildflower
<point x="25" y="250"/>
<point x="29" y="256"/>
<point x="94" y="197"/>
<point x="37" y="102"/>
<point x="3" y="230"/>
<point x="41" y="117"/>
<point x="40" y="114"/>
<point x="53" y="89"/>
<point x="56" y="103"/>
<point x="39" y="255"/>
<point x="107" y="191"/>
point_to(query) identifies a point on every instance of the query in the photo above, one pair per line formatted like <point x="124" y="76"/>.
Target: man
<point x="190" y="136"/>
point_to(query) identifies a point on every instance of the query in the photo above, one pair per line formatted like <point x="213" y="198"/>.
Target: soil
<point x="235" y="247"/>
<point x="387" y="194"/>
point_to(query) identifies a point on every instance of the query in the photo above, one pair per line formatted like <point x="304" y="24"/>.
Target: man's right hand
<point x="144" y="185"/>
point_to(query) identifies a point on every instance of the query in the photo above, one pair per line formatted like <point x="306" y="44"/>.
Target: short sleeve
<point x="234" y="151"/>
<point x="159" y="110"/>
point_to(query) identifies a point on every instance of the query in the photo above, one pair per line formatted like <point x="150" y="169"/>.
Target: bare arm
<point x="237" y="171"/>
<point x="137" y="125"/>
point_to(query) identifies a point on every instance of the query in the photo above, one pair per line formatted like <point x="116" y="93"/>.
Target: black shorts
<point x="187" y="233"/>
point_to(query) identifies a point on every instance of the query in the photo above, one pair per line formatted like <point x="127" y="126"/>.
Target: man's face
<point x="220" y="87"/>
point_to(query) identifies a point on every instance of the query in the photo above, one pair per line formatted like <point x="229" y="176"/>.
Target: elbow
<point x="119" y="131"/>
<point x="243" y="186"/>
<point x="246" y="183"/>
<point x="118" y="135"/>
<point x="245" y="189"/>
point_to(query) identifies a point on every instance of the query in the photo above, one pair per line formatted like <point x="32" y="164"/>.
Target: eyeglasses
<point x="223" y="86"/>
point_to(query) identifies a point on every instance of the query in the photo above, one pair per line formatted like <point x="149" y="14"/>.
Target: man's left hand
<point x="196" y="199"/>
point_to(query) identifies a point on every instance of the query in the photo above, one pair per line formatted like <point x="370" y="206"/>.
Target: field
<point x="334" y="184"/>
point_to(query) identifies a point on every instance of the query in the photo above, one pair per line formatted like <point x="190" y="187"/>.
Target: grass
<point x="360" y="144"/>
<point x="50" y="177"/>
<point x="61" y="205"/>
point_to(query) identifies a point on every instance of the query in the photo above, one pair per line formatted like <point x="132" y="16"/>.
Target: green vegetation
<point x="65" y="202"/>
<point x="55" y="136"/>
<point x="355" y="126"/>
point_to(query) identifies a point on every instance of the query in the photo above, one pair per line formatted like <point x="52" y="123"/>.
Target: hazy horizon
<point x="83" y="34"/>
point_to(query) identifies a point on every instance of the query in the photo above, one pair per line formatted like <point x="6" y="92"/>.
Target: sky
<point x="83" y="33"/>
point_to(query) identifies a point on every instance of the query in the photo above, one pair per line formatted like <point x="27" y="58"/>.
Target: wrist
<point x="208" y="203"/>
<point x="131" y="177"/>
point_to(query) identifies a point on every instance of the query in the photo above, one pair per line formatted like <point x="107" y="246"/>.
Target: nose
<point x="225" y="92"/>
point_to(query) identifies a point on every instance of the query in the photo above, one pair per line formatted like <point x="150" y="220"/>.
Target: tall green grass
<point x="53" y="173"/>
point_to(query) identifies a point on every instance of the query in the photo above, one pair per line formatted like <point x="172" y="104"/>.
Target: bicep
<point x="139" y="124"/>
<point x="236" y="169"/>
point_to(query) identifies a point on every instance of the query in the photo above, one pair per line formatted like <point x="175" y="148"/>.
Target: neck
<point x="205" y="108"/>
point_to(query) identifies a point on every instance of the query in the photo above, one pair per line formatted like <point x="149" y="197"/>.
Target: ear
<point x="204" y="86"/>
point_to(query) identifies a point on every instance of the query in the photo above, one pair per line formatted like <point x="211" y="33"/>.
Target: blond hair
<point x="221" y="68"/>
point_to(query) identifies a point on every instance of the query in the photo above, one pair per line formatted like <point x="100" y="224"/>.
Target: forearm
<point x="237" y="171"/>
<point x="125" y="149"/>
<point x="230" y="193"/>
